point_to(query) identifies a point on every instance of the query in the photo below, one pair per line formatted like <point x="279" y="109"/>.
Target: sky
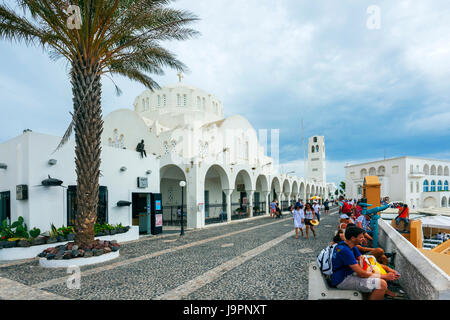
<point x="373" y="87"/>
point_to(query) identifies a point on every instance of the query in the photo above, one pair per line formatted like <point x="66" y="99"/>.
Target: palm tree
<point x="97" y="38"/>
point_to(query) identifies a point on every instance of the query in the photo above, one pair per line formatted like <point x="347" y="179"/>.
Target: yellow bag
<point x="369" y="263"/>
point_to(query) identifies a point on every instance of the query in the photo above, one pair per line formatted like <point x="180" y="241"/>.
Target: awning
<point x="436" y="222"/>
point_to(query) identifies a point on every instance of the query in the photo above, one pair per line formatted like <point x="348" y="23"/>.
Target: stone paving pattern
<point x="279" y="272"/>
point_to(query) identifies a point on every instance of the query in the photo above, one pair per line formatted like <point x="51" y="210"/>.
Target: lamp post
<point x="182" y="185"/>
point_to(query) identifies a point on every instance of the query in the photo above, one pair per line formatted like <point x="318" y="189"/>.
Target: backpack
<point x="324" y="260"/>
<point x="346" y="208"/>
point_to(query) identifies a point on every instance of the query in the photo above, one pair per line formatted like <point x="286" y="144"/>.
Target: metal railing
<point x="171" y="217"/>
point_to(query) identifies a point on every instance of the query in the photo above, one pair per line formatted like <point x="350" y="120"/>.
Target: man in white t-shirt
<point x="316" y="208"/>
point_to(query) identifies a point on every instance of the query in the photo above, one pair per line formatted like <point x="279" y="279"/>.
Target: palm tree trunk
<point x="88" y="127"/>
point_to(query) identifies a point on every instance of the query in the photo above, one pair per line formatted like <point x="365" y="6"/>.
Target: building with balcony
<point x="419" y="182"/>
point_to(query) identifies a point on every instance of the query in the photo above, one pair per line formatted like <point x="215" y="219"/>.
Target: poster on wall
<point x="158" y="220"/>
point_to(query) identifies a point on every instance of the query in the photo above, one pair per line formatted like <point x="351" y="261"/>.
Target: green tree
<point x="342" y="188"/>
<point x="97" y="38"/>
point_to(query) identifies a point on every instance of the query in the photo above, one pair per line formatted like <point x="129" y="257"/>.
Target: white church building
<point x="418" y="182"/>
<point x="227" y="173"/>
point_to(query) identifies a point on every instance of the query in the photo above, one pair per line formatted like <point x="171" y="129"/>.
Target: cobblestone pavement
<point x="255" y="259"/>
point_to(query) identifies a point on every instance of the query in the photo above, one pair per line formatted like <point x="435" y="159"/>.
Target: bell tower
<point x="316" y="159"/>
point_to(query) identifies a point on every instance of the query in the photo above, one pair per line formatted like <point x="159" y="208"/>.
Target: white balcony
<point x="416" y="175"/>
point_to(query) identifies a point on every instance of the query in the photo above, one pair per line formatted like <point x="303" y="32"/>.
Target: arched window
<point x="184" y="100"/>
<point x="411" y="169"/>
<point x="372" y="171"/>
<point x="439" y="185"/>
<point x="315" y="139"/>
<point x="312" y="149"/>
<point x="433" y="186"/>
<point x="426" y="186"/>
<point x="381" y="171"/>
<point x="433" y="170"/>
<point x="317" y="148"/>
<point x="143" y="105"/>
<point x="440" y="171"/>
<point x="446" y="186"/>
<point x="363" y="173"/>
<point x="164" y="100"/>
<point x="446" y="171"/>
<point x="444" y="202"/>
<point x="426" y="169"/>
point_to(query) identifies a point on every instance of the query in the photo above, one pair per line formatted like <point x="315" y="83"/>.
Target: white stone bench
<point x="318" y="288"/>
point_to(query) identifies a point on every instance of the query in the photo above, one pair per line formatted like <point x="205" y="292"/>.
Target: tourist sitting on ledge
<point x="403" y="215"/>
<point x="348" y="274"/>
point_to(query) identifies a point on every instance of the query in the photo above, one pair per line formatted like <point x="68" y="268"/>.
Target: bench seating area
<point x="319" y="289"/>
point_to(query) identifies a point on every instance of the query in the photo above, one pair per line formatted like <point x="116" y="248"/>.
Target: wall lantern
<point x="123" y="203"/>
<point x="52" y="162"/>
<point x="148" y="172"/>
<point x="51" y="182"/>
<point x="123" y="169"/>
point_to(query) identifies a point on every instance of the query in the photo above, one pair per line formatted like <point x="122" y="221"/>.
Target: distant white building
<point x="186" y="139"/>
<point x="331" y="187"/>
<point x="419" y="182"/>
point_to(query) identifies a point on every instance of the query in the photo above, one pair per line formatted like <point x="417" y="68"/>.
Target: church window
<point x="372" y="171"/>
<point x="315" y="139"/>
<point x="425" y="186"/>
<point x="178" y="100"/>
<point x="440" y="186"/>
<point x="313" y="149"/>
<point x="363" y="173"/>
<point x="433" y="170"/>
<point x="184" y="100"/>
<point x="159" y="100"/>
<point x="446" y="186"/>
<point x="174" y="145"/>
<point x="164" y="100"/>
<point x="166" y="147"/>
<point x="440" y="171"/>
<point x="426" y="169"/>
<point x="433" y="186"/>
<point x="317" y="148"/>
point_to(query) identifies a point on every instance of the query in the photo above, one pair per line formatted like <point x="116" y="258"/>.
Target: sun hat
<point x="314" y="222"/>
<point x="344" y="216"/>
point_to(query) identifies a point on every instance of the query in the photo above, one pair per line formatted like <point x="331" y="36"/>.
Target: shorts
<point x="273" y="210"/>
<point x="308" y="222"/>
<point x="365" y="285"/>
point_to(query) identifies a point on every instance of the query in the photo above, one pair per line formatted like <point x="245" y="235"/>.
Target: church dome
<point x="178" y="99"/>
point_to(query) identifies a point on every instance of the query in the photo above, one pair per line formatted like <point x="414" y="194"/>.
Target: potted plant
<point x="53" y="234"/>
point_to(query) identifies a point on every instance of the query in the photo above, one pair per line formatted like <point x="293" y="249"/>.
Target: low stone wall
<point x="8" y="254"/>
<point x="420" y="277"/>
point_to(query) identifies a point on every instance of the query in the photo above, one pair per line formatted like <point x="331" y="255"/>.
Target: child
<point x="299" y="219"/>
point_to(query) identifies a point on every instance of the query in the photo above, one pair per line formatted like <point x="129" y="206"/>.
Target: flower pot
<point x="10" y="244"/>
<point x="112" y="232"/>
<point x="4" y="244"/>
<point x="70" y="237"/>
<point x="61" y="238"/>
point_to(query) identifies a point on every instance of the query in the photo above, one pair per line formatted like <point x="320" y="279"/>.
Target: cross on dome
<point x="180" y="76"/>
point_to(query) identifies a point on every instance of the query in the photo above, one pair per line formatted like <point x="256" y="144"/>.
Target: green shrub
<point x="35" y="232"/>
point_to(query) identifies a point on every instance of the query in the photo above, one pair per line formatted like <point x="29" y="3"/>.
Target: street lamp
<point x="182" y="185"/>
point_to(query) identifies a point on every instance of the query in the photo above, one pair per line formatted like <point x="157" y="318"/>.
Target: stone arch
<point x="426" y="169"/>
<point x="275" y="188"/>
<point x="302" y="190"/>
<point x="308" y="192"/>
<point x="430" y="202"/>
<point x="446" y="171"/>
<point x="372" y="171"/>
<point x="243" y="176"/>
<point x="295" y="189"/>
<point x="215" y="181"/>
<point x="286" y="186"/>
<point x="440" y="171"/>
<point x="381" y="170"/>
<point x="169" y="182"/>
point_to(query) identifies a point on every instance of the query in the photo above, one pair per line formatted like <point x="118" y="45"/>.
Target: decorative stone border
<point x="17" y="253"/>
<point x="78" y="261"/>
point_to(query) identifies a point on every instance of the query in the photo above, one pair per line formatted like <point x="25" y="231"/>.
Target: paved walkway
<point x="255" y="259"/>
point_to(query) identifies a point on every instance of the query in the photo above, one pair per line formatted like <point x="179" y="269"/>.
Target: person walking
<point x="299" y="219"/>
<point x="273" y="207"/>
<point x="326" y="205"/>
<point x="309" y="216"/>
<point x="316" y="208"/>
